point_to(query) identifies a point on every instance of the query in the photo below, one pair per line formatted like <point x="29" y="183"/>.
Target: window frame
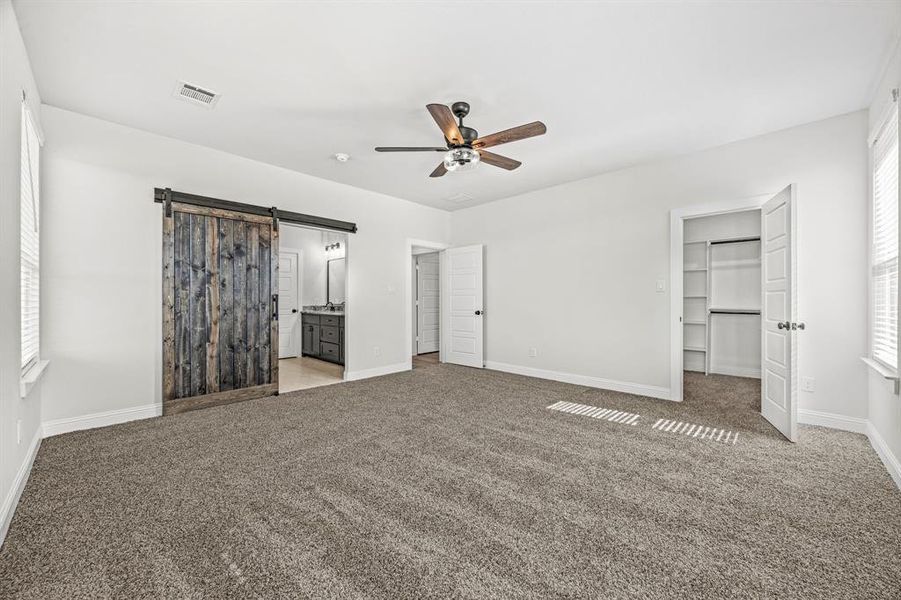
<point x="30" y="129"/>
<point x="891" y="371"/>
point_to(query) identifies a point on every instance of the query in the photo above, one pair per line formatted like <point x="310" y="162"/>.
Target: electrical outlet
<point x="533" y="352"/>
<point x="376" y="351"/>
<point x="808" y="384"/>
<point x="661" y="286"/>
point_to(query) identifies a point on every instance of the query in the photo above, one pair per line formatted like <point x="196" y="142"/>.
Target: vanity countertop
<point x="331" y="313"/>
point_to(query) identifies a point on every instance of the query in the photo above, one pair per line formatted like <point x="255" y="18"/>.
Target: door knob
<point x="478" y="312"/>
<point x="798" y="326"/>
<point x="293" y="310"/>
<point x="786" y="325"/>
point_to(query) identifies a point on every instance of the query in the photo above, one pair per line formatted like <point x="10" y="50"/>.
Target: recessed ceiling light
<point x="341" y="157"/>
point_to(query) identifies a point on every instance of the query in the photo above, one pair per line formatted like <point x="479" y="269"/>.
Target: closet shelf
<point x="687" y="322"/>
<point x="693" y="269"/>
<point x="695" y="296"/>
<point x="695" y="349"/>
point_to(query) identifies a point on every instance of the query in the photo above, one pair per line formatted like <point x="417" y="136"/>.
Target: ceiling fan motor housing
<point x="460" y="109"/>
<point x="469" y="135"/>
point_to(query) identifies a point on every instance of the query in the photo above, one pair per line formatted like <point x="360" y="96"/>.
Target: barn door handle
<point x="275" y="302"/>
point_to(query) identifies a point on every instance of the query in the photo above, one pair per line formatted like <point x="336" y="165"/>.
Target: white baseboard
<point x="8" y="509"/>
<point x="101" y="419"/>
<point x="639" y="389"/>
<point x="890" y="461"/>
<point x="377" y="371"/>
<point x="835" y="421"/>
<point x="735" y="371"/>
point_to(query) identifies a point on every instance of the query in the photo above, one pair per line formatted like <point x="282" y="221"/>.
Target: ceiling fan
<point x="465" y="149"/>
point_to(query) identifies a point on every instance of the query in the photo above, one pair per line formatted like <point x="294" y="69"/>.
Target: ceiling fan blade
<point x="511" y="135"/>
<point x="439" y="171"/>
<point x="445" y="119"/>
<point x="497" y="160"/>
<point x="408" y="149"/>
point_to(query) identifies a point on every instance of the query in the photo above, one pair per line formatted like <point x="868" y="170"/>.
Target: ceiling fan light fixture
<point x="461" y="159"/>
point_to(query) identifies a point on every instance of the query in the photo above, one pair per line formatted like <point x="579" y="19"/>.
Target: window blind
<point x="885" y="243"/>
<point x="29" y="234"/>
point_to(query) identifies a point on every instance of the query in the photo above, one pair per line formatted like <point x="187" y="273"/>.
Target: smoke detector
<point x="342" y="157"/>
<point x="460" y="197"/>
<point x="195" y="94"/>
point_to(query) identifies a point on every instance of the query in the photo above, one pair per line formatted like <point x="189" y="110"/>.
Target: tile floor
<point x="304" y="372"/>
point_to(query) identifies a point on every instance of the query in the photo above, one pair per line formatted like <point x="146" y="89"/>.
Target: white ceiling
<point x="616" y="83"/>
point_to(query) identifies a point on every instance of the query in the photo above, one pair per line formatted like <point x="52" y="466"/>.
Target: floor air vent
<point x="607" y="414"/>
<point x="196" y="94"/>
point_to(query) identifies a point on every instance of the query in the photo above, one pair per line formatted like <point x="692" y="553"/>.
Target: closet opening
<point x="721" y="293"/>
<point x="721" y="310"/>
<point x="734" y="322"/>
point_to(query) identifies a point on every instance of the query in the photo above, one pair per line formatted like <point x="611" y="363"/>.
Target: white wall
<point x="15" y="76"/>
<point x="571" y="269"/>
<point x="884" y="403"/>
<point x="103" y="243"/>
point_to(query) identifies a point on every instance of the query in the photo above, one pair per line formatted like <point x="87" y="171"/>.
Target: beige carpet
<point x="448" y="482"/>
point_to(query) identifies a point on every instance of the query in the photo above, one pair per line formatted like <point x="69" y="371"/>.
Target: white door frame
<point x="348" y="313"/>
<point x="298" y="288"/>
<point x="408" y="295"/>
<point x="677" y="218"/>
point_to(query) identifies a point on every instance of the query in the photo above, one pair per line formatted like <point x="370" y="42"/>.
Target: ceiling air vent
<point x="196" y="94"/>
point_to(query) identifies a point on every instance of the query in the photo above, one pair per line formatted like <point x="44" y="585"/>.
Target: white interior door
<point x="427" y="296"/>
<point x="463" y="331"/>
<point x="288" y="302"/>
<point x="779" y="381"/>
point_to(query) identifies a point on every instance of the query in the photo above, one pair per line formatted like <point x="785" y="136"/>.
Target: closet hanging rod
<point x="738" y="311"/>
<point x="735" y="240"/>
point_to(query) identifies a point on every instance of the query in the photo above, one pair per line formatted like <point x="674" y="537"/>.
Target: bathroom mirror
<point x="335" y="289"/>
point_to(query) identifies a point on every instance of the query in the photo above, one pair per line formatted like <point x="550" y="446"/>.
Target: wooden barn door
<point x="220" y="307"/>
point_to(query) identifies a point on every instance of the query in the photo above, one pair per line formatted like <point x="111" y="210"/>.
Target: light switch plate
<point x="808" y="384"/>
<point x="661" y="286"/>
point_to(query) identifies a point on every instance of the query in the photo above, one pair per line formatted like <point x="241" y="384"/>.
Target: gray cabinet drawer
<point x="330" y="320"/>
<point x="329" y="334"/>
<point x="329" y="352"/>
<point x="311" y="319"/>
